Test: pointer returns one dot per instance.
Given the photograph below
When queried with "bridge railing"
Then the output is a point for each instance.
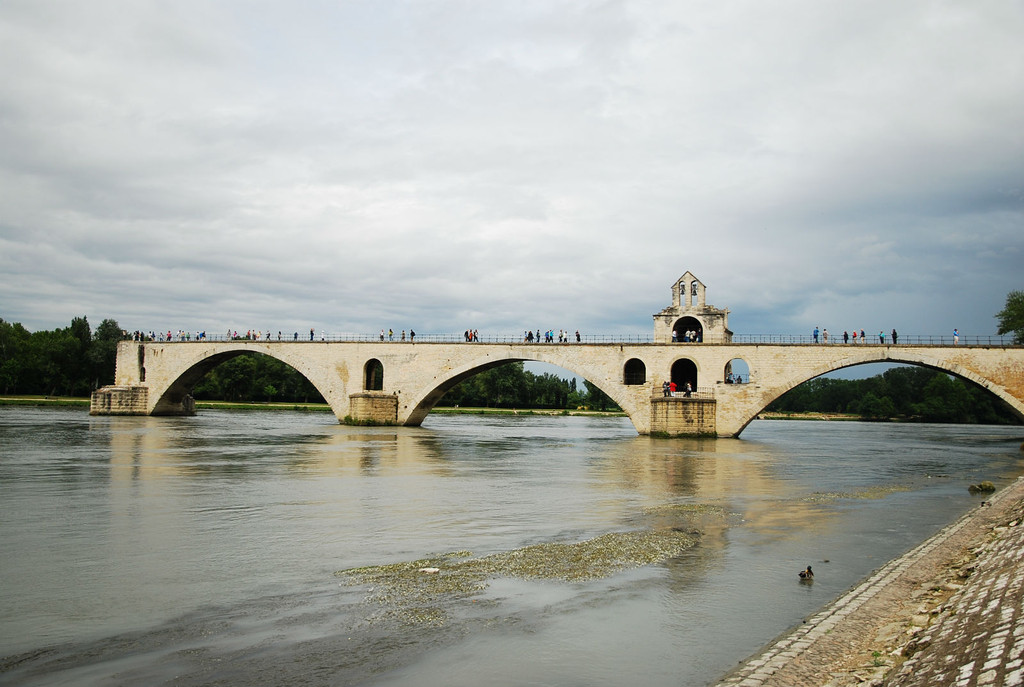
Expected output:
(875, 339)
(699, 392)
(833, 340)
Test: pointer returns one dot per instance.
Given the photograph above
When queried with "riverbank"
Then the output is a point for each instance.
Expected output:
(888, 629)
(43, 401)
(312, 407)
(447, 410)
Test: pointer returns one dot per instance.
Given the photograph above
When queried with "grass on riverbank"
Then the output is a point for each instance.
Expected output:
(43, 401)
(446, 410)
(309, 407)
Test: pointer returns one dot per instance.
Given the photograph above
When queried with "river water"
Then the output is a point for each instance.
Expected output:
(204, 550)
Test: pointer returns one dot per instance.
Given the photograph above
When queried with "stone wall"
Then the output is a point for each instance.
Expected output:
(680, 416)
(120, 400)
(370, 408)
(415, 375)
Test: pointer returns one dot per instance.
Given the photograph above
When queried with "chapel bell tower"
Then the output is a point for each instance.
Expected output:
(690, 319)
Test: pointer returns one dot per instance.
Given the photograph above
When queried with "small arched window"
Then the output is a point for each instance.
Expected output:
(634, 372)
(737, 371)
(373, 375)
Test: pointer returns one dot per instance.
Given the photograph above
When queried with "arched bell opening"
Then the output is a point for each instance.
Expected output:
(687, 330)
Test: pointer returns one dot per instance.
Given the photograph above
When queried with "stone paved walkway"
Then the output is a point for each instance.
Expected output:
(978, 638)
(948, 613)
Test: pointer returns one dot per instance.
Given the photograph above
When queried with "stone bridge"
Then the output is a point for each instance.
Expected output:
(392, 382)
(399, 382)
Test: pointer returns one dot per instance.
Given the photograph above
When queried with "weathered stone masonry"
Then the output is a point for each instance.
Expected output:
(155, 378)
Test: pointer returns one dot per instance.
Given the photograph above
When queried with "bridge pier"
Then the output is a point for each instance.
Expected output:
(674, 416)
(370, 408)
(134, 400)
(120, 400)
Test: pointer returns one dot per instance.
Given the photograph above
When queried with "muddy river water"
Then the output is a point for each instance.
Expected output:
(280, 548)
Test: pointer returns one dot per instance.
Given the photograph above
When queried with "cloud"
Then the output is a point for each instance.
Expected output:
(443, 164)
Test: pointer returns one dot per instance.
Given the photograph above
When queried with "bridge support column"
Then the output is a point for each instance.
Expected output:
(373, 409)
(676, 416)
(120, 400)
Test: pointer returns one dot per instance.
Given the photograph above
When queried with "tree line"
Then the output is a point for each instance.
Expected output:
(512, 386)
(916, 394)
(261, 378)
(68, 361)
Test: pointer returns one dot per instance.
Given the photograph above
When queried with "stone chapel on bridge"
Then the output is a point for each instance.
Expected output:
(690, 312)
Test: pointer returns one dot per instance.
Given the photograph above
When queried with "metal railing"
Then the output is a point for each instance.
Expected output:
(699, 392)
(739, 339)
(877, 340)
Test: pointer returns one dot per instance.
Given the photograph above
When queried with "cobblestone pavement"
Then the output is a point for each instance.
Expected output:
(948, 613)
(978, 637)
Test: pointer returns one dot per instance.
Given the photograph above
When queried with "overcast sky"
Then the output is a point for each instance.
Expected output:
(439, 165)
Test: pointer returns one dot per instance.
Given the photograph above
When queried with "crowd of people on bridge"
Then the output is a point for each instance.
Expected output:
(821, 336)
(818, 336)
(689, 336)
(180, 335)
(670, 388)
(391, 335)
(549, 336)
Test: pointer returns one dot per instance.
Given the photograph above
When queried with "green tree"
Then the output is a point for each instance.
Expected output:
(270, 391)
(872, 407)
(597, 399)
(1011, 317)
(53, 362)
(102, 355)
(915, 393)
(251, 377)
(14, 345)
(79, 374)
(946, 400)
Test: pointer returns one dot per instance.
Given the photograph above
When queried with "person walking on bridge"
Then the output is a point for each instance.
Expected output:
(895, 336)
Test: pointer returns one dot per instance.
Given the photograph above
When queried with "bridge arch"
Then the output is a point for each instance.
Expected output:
(170, 398)
(419, 404)
(917, 356)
